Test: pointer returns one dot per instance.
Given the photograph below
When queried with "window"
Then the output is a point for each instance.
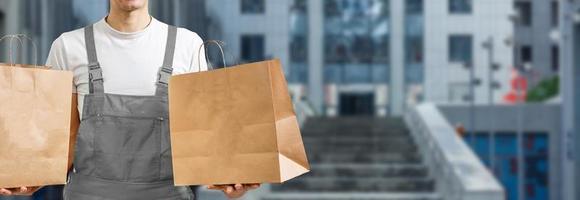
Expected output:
(555, 58)
(355, 36)
(414, 7)
(253, 6)
(460, 48)
(299, 49)
(299, 32)
(414, 50)
(524, 10)
(252, 48)
(555, 14)
(527, 54)
(460, 6)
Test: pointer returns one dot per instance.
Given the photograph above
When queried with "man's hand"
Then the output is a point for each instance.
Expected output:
(234, 191)
(22, 191)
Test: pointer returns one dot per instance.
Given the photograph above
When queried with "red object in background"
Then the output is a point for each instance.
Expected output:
(513, 165)
(530, 141)
(530, 190)
(518, 90)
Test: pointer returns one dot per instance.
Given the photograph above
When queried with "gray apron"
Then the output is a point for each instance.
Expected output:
(123, 149)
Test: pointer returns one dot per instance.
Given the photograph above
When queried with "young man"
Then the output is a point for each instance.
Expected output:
(121, 67)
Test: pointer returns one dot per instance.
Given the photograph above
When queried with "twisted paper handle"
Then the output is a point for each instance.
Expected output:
(11, 47)
(216, 42)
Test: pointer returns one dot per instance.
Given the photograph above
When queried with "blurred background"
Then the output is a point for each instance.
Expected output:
(397, 99)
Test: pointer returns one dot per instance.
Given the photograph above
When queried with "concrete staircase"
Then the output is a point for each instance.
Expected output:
(359, 158)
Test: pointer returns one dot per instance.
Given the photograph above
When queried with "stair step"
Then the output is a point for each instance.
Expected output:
(357, 120)
(343, 147)
(386, 137)
(355, 133)
(364, 157)
(329, 184)
(368, 170)
(351, 196)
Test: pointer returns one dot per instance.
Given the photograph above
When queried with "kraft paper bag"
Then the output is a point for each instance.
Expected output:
(234, 125)
(36, 123)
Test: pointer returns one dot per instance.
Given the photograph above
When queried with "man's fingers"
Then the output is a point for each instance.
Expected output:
(228, 189)
(23, 189)
(216, 187)
(5, 191)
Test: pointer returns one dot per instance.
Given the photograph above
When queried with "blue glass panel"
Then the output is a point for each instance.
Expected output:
(537, 166)
(506, 169)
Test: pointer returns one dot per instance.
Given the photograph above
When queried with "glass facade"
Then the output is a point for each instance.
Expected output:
(505, 156)
(357, 43)
(414, 30)
(298, 42)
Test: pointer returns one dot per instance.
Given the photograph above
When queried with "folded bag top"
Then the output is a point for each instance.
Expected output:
(234, 125)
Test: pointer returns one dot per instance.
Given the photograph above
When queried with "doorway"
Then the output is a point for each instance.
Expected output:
(355, 104)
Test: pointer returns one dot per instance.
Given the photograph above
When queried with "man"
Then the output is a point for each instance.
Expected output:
(121, 67)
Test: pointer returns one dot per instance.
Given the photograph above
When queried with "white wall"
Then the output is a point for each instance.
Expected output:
(488, 18)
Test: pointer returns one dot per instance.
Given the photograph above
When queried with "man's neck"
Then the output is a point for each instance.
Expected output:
(129, 22)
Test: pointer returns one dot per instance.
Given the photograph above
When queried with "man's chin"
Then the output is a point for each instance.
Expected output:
(131, 8)
(131, 5)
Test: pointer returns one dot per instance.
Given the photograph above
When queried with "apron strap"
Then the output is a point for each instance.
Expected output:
(166, 70)
(95, 72)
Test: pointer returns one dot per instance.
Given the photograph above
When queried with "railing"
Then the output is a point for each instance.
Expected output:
(458, 173)
(303, 111)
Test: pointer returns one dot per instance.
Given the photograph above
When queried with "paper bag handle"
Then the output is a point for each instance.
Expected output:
(216, 42)
(17, 37)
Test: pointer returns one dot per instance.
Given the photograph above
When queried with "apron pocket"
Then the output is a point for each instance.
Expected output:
(108, 166)
(143, 168)
(128, 149)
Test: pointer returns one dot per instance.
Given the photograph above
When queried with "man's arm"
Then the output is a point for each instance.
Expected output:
(74, 127)
(198, 63)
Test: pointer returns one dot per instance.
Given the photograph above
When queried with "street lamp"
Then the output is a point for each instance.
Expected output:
(493, 85)
(473, 81)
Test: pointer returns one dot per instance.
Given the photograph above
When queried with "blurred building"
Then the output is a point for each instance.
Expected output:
(337, 53)
(375, 57)
(466, 35)
(382, 57)
(252, 30)
(190, 14)
(536, 34)
(44, 21)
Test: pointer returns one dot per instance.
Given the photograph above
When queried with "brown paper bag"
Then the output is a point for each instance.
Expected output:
(234, 125)
(35, 125)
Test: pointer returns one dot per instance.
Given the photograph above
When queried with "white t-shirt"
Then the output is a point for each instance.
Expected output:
(130, 61)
